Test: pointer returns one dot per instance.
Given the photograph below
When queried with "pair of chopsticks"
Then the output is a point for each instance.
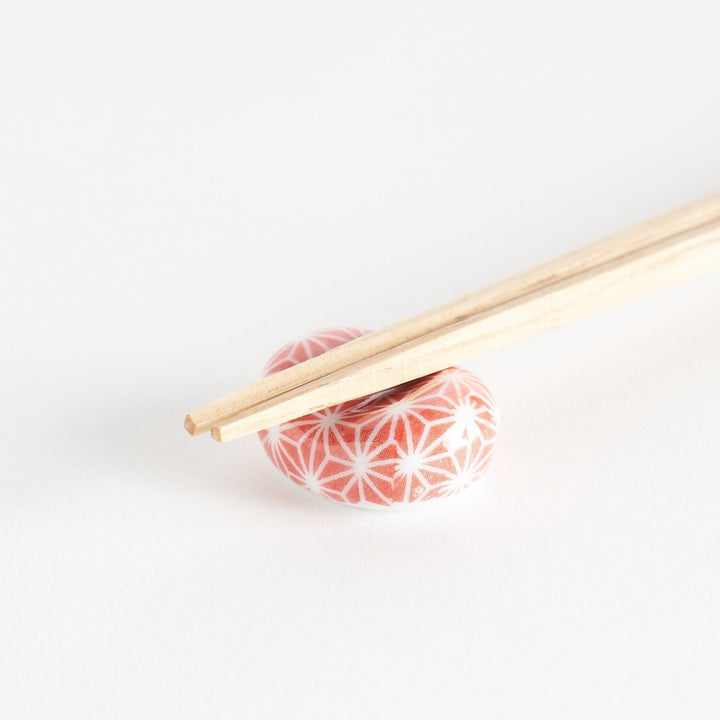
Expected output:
(669, 249)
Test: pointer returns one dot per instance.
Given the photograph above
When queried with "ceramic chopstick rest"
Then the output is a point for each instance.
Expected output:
(426, 439)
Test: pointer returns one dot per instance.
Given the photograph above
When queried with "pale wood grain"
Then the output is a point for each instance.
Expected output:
(374, 344)
(600, 286)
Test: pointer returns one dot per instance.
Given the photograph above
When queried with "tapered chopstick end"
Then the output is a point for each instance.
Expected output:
(191, 426)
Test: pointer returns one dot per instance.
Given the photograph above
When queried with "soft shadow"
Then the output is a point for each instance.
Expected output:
(158, 449)
(139, 438)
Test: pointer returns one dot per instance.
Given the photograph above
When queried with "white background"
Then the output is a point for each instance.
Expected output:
(186, 186)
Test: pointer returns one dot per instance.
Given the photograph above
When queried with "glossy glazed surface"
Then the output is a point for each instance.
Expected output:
(422, 440)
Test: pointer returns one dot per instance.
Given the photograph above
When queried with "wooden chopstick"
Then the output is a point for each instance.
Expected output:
(233, 406)
(598, 286)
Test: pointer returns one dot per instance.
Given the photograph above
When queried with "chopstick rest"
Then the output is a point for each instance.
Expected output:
(419, 441)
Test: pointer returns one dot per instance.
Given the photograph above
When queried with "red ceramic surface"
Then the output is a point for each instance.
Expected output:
(422, 440)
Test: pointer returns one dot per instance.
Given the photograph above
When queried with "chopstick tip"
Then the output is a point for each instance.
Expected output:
(190, 425)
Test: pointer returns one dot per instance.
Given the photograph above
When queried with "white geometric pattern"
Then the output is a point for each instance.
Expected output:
(425, 439)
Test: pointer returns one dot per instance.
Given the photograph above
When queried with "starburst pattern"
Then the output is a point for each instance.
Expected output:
(426, 439)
